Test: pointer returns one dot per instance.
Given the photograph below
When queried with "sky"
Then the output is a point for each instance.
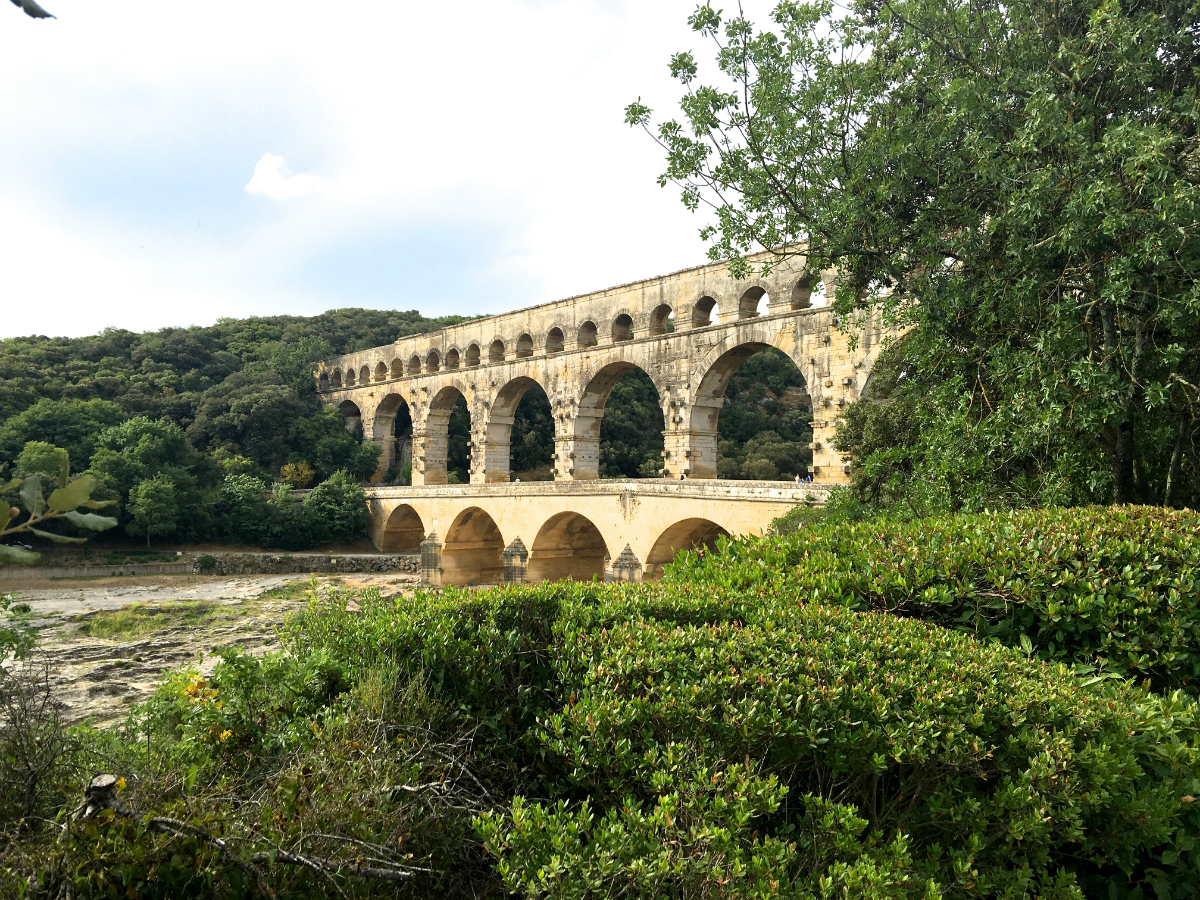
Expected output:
(170, 162)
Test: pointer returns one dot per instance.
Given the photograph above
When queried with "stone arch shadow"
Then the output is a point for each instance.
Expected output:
(383, 430)
(402, 531)
(711, 376)
(567, 546)
(686, 534)
(436, 428)
(473, 550)
(497, 457)
(596, 385)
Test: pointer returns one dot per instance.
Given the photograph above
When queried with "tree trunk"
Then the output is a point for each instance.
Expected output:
(1173, 471)
(1124, 484)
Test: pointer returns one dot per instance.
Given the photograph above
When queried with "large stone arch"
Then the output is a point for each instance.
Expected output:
(686, 534)
(352, 416)
(403, 531)
(577, 439)
(383, 431)
(568, 545)
(433, 436)
(473, 551)
(496, 435)
(710, 379)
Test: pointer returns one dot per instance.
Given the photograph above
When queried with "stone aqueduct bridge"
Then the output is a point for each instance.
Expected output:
(689, 331)
(543, 531)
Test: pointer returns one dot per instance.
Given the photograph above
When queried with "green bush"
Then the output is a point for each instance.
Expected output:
(336, 508)
(722, 737)
(689, 741)
(650, 741)
(812, 750)
(1111, 588)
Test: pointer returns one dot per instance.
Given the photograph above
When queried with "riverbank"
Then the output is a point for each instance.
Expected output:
(106, 643)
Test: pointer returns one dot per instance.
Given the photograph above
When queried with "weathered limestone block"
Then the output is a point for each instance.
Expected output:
(515, 559)
(627, 567)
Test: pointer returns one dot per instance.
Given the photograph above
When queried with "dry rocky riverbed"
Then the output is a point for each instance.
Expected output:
(108, 642)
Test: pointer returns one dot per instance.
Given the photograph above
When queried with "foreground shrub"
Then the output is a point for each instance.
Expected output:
(1113, 588)
(815, 750)
(709, 743)
(647, 741)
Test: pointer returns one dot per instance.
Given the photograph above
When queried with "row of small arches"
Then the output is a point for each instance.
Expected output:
(567, 546)
(753, 302)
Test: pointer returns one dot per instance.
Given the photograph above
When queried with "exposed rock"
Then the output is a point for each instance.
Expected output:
(98, 678)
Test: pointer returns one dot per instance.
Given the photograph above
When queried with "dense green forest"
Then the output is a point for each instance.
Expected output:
(202, 421)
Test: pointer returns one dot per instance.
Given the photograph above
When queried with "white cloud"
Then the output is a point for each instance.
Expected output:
(459, 157)
(273, 179)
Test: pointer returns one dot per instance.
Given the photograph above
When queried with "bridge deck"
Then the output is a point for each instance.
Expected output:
(700, 489)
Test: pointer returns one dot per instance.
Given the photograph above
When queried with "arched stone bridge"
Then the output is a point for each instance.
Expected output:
(544, 531)
(689, 331)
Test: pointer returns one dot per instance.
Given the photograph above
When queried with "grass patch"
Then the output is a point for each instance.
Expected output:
(139, 618)
(293, 590)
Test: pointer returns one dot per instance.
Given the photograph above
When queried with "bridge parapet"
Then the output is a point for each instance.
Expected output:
(706, 489)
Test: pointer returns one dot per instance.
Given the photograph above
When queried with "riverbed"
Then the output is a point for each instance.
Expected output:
(108, 642)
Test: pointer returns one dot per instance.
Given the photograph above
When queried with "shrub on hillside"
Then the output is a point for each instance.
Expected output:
(1115, 588)
(335, 510)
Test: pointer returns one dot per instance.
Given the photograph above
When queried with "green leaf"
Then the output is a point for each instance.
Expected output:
(12, 484)
(99, 504)
(1026, 644)
(77, 493)
(65, 471)
(17, 556)
(5, 513)
(31, 495)
(91, 520)
(58, 538)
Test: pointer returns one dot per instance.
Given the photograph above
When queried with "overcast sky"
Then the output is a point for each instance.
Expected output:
(170, 162)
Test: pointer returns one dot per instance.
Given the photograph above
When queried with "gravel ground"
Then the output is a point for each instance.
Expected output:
(99, 678)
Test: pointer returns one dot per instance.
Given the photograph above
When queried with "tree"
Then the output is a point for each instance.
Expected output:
(336, 508)
(243, 512)
(41, 457)
(532, 436)
(140, 449)
(70, 424)
(298, 475)
(1016, 183)
(155, 507)
(631, 432)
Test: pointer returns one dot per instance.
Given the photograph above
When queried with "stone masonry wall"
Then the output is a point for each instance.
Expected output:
(285, 564)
